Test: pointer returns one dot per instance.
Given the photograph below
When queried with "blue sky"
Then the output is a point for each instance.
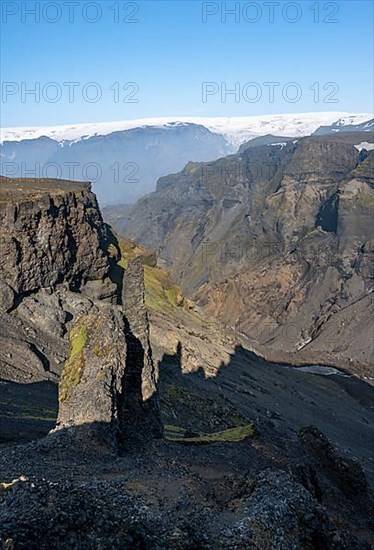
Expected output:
(170, 52)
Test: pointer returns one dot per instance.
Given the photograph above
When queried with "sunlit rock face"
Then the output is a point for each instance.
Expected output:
(276, 241)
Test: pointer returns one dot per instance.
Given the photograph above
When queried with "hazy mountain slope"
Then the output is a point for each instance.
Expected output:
(124, 159)
(122, 165)
(277, 242)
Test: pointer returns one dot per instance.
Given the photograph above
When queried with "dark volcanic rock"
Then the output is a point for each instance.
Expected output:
(268, 490)
(331, 470)
(271, 512)
(53, 240)
(55, 257)
(6, 297)
(51, 232)
(141, 373)
(91, 385)
(282, 514)
(107, 390)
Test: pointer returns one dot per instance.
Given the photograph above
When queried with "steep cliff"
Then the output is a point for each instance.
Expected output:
(62, 314)
(51, 233)
(276, 242)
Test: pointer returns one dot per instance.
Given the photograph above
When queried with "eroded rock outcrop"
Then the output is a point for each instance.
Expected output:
(60, 311)
(51, 232)
(107, 390)
(91, 384)
(141, 372)
(53, 242)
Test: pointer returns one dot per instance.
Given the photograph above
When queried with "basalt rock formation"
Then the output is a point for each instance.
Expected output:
(141, 374)
(51, 233)
(62, 314)
(91, 386)
(52, 249)
(277, 243)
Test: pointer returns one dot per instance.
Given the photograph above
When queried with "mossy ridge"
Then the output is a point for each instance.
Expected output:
(231, 435)
(124, 250)
(161, 293)
(73, 370)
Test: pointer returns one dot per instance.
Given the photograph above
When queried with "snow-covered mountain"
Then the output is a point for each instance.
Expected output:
(125, 159)
(235, 129)
(343, 126)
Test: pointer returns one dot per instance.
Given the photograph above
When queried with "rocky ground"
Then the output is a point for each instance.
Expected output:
(183, 497)
(283, 487)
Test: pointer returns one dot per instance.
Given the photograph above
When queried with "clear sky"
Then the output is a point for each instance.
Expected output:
(318, 55)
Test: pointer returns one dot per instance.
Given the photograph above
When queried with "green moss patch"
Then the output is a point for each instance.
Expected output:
(73, 370)
(232, 435)
(161, 293)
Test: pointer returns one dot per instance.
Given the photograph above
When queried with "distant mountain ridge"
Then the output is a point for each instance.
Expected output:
(236, 129)
(366, 126)
(125, 159)
(268, 139)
